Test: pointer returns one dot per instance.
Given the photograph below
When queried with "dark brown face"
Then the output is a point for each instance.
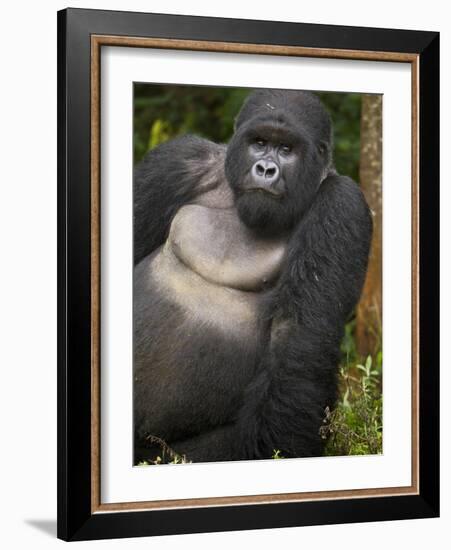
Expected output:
(274, 173)
(272, 160)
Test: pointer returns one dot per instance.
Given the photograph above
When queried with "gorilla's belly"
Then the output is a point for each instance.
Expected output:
(204, 304)
(195, 348)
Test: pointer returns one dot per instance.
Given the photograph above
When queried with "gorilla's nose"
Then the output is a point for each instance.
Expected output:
(265, 173)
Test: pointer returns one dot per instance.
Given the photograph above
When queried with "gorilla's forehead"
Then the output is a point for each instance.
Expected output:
(273, 127)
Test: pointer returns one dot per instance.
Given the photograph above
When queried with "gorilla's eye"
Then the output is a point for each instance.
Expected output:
(260, 142)
(285, 149)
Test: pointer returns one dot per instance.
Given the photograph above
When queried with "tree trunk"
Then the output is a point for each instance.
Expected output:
(369, 310)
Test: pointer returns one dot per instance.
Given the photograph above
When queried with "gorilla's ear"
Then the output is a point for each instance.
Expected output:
(324, 148)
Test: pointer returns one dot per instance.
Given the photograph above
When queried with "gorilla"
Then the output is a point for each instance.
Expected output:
(249, 259)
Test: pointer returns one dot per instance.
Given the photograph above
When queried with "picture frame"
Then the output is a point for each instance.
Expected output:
(81, 36)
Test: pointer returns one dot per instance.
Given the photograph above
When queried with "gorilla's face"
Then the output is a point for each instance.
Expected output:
(274, 162)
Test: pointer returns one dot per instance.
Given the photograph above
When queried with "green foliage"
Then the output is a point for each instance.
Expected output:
(354, 427)
(345, 110)
(160, 131)
(167, 456)
(176, 459)
(162, 112)
(277, 454)
(348, 344)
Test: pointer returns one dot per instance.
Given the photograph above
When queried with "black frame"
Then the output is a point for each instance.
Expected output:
(75, 519)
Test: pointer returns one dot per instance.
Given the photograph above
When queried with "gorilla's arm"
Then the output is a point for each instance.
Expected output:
(168, 177)
(318, 289)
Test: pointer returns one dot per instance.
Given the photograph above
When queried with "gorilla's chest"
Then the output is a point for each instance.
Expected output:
(216, 245)
(215, 268)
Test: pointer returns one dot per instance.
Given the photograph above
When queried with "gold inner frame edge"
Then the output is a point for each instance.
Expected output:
(97, 41)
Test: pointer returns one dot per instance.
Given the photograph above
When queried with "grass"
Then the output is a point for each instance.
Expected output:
(168, 455)
(354, 427)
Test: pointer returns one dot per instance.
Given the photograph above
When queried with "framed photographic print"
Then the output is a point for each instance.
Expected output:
(248, 274)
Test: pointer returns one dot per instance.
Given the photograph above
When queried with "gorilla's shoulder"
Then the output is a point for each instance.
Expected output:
(177, 171)
(186, 152)
(345, 193)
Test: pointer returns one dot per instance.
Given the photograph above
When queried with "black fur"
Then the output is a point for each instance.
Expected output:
(274, 397)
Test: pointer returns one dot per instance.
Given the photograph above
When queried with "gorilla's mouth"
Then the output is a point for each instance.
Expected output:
(271, 193)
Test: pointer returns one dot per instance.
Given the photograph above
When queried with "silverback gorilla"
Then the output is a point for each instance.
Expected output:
(249, 258)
